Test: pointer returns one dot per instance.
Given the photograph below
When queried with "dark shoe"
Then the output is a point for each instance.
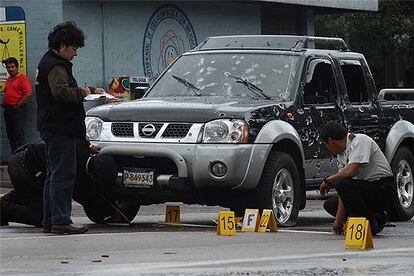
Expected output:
(380, 220)
(47, 228)
(68, 229)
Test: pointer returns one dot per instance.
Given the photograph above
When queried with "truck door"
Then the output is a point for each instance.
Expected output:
(320, 105)
(361, 109)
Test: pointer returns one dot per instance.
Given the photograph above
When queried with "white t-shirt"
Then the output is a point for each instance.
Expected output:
(363, 150)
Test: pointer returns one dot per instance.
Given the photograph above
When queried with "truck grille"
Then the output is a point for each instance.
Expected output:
(176, 131)
(123, 129)
(151, 130)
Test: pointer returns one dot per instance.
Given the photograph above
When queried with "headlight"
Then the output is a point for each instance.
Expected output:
(225, 131)
(93, 127)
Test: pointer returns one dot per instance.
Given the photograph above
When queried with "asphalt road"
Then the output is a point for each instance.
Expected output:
(148, 247)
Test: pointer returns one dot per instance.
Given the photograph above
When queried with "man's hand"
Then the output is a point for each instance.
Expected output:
(324, 188)
(86, 91)
(94, 149)
(99, 90)
(338, 227)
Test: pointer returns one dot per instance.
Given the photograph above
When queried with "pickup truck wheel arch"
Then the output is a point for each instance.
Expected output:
(279, 188)
(403, 167)
(400, 132)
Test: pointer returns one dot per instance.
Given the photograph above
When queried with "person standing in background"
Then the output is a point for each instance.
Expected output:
(18, 91)
(61, 123)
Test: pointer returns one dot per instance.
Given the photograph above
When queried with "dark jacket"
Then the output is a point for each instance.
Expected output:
(55, 114)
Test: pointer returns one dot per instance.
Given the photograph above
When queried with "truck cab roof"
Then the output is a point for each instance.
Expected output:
(289, 43)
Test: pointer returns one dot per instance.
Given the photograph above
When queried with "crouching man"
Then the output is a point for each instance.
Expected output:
(27, 170)
(364, 182)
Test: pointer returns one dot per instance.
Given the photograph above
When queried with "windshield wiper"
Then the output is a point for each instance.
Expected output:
(194, 88)
(252, 87)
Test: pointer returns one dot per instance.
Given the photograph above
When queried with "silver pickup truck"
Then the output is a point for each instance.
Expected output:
(236, 121)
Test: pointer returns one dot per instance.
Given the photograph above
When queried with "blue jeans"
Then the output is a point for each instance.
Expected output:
(60, 178)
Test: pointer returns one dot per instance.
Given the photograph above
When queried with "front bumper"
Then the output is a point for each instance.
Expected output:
(179, 165)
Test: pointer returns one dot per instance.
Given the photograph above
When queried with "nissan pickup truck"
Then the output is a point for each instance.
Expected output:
(235, 122)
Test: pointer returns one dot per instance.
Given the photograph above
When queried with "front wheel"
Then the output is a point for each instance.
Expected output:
(279, 188)
(403, 168)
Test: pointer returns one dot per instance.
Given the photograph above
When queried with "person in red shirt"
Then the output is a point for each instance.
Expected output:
(18, 91)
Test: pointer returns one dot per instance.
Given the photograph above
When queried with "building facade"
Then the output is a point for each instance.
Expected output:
(141, 38)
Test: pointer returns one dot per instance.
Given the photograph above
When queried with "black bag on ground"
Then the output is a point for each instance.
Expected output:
(27, 170)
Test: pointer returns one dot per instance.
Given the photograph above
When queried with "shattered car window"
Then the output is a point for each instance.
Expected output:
(231, 75)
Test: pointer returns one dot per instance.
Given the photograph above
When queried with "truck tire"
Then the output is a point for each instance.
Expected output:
(403, 168)
(98, 213)
(279, 188)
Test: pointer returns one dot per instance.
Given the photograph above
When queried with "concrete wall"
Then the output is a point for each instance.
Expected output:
(121, 27)
(115, 33)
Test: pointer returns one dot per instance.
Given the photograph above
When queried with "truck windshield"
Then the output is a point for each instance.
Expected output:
(255, 75)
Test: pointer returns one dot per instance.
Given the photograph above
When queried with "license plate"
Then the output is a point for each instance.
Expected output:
(138, 178)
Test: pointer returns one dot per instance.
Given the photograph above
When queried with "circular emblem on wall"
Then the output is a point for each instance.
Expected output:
(168, 34)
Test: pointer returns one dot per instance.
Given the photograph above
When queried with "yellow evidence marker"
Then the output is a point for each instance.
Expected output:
(226, 223)
(358, 234)
(172, 214)
(267, 221)
(250, 220)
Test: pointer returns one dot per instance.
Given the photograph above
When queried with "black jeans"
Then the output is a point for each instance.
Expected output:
(60, 178)
(331, 205)
(14, 209)
(14, 119)
(362, 198)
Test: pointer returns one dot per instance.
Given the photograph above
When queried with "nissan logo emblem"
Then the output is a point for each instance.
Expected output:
(148, 130)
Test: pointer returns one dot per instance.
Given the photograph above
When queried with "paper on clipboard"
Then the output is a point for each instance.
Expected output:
(93, 97)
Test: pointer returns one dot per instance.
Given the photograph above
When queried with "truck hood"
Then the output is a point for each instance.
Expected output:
(188, 109)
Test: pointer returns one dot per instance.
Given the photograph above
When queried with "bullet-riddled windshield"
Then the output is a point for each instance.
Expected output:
(257, 75)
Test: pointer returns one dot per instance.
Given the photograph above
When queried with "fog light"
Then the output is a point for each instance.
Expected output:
(218, 169)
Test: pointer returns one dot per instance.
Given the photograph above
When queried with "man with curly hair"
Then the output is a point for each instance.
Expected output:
(60, 121)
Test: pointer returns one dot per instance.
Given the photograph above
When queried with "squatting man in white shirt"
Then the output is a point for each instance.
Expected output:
(364, 182)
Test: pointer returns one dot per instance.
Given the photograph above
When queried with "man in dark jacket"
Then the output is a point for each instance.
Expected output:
(60, 121)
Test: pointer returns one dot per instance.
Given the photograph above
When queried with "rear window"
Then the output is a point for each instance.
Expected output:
(356, 86)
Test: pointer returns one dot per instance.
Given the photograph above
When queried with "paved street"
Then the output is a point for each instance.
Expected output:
(148, 247)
